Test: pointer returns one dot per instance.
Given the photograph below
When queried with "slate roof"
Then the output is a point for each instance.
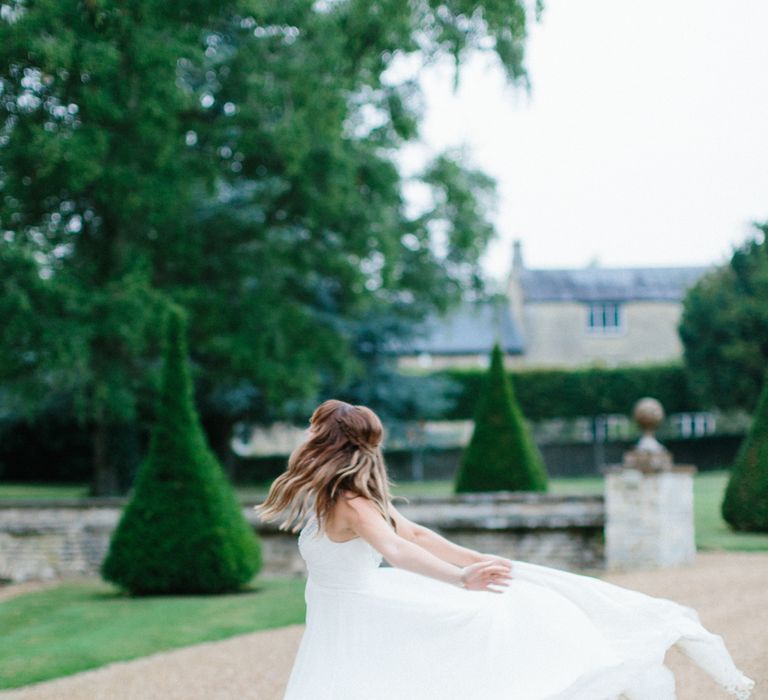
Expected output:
(471, 328)
(609, 284)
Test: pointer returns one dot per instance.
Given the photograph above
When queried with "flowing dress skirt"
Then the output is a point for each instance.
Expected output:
(382, 633)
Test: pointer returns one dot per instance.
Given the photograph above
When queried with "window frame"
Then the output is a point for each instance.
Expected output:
(599, 309)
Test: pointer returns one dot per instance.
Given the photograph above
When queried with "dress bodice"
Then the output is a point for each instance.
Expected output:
(343, 565)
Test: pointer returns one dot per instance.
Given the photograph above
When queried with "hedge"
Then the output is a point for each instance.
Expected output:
(183, 530)
(501, 454)
(568, 393)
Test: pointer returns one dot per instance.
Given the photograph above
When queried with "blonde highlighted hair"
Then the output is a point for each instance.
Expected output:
(342, 453)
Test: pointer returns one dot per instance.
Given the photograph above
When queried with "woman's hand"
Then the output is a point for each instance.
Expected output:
(495, 558)
(484, 574)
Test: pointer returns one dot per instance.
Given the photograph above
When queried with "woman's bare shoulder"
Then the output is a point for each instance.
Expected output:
(346, 495)
(355, 504)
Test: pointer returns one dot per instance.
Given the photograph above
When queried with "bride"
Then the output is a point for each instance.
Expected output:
(447, 622)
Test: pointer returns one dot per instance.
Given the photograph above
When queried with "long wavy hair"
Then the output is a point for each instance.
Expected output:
(342, 453)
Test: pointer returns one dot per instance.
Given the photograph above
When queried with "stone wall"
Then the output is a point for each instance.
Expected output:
(556, 335)
(50, 539)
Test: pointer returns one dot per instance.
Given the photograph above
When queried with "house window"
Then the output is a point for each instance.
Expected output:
(605, 317)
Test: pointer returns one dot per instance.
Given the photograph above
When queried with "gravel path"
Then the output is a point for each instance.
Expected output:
(729, 590)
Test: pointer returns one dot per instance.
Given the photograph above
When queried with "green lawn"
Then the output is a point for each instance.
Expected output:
(712, 532)
(26, 490)
(80, 625)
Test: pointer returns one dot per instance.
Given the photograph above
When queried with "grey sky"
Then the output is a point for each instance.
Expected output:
(644, 140)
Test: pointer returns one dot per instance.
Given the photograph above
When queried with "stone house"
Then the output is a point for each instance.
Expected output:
(559, 318)
(598, 316)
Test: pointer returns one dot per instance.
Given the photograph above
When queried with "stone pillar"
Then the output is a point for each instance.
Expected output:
(649, 503)
(649, 517)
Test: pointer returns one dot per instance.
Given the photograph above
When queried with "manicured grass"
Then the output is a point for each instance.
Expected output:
(580, 485)
(576, 484)
(712, 532)
(26, 490)
(80, 625)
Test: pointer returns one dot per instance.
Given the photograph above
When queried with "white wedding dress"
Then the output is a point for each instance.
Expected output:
(383, 633)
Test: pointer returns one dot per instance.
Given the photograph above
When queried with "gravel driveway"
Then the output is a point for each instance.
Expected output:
(729, 590)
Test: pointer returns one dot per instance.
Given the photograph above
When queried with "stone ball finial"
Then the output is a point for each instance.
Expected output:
(648, 413)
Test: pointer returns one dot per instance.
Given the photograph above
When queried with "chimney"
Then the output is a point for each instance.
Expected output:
(517, 255)
(515, 288)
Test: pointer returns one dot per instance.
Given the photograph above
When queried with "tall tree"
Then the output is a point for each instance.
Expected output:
(94, 172)
(238, 157)
(724, 327)
(310, 202)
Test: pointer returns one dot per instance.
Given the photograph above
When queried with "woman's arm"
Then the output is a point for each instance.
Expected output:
(439, 545)
(436, 544)
(364, 519)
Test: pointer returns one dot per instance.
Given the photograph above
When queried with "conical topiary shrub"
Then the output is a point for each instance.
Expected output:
(501, 455)
(183, 530)
(745, 504)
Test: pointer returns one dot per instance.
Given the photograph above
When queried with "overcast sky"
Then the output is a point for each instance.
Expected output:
(644, 141)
